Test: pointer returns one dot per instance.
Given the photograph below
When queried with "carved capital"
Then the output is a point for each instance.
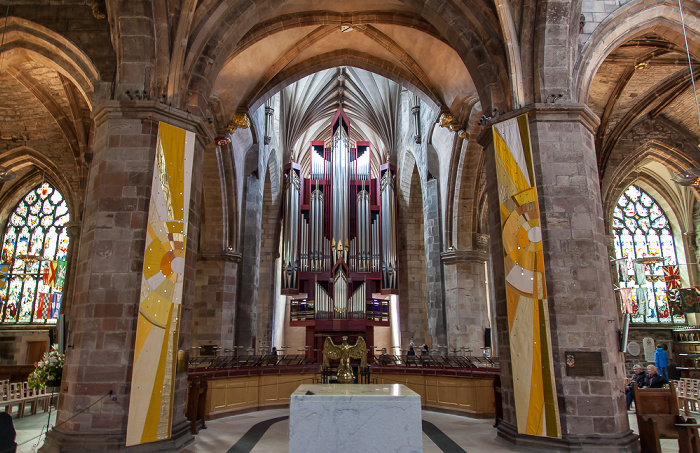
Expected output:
(464, 256)
(223, 255)
(238, 121)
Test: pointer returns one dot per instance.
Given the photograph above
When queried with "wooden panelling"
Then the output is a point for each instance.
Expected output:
(471, 396)
(237, 394)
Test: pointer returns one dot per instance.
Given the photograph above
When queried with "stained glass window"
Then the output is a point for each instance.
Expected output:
(642, 230)
(34, 257)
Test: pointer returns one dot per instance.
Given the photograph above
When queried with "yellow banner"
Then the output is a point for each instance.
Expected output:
(153, 376)
(534, 390)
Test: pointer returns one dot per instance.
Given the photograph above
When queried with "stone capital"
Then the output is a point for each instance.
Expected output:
(223, 255)
(152, 111)
(464, 256)
(540, 112)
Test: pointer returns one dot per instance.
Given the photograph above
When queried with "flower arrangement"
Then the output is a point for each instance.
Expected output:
(49, 368)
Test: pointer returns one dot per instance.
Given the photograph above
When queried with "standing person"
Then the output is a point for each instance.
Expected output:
(425, 351)
(411, 351)
(639, 376)
(661, 361)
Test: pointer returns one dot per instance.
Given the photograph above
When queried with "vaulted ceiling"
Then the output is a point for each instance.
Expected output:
(645, 78)
(370, 101)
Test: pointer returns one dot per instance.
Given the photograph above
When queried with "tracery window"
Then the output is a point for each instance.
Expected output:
(642, 230)
(34, 257)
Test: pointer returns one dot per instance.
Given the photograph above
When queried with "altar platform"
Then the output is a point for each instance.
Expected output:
(355, 417)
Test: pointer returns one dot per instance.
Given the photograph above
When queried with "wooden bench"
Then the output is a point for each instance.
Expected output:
(658, 418)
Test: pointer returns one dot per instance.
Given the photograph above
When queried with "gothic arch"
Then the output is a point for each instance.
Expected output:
(51, 50)
(39, 168)
(633, 19)
(470, 35)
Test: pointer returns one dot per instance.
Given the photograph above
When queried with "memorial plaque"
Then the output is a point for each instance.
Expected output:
(633, 348)
(584, 363)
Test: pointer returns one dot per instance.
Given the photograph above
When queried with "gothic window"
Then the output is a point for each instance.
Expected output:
(33, 262)
(642, 230)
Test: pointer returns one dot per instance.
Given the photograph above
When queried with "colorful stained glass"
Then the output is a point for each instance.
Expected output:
(35, 235)
(641, 229)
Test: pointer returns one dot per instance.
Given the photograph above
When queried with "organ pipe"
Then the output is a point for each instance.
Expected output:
(340, 294)
(290, 264)
(388, 212)
(363, 230)
(340, 186)
(340, 249)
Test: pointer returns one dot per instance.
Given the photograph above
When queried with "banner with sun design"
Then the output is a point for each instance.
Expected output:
(528, 316)
(153, 376)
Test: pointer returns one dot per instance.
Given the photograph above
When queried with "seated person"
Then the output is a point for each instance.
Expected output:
(638, 377)
(384, 358)
(653, 380)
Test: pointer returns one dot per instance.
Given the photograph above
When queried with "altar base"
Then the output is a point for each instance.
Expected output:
(355, 417)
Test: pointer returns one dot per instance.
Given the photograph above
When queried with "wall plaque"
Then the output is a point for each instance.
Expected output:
(633, 348)
(584, 363)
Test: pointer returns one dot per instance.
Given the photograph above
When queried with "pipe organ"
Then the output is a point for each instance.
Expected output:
(340, 238)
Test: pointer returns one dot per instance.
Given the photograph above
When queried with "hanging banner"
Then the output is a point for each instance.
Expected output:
(689, 300)
(56, 299)
(528, 314)
(153, 376)
(672, 277)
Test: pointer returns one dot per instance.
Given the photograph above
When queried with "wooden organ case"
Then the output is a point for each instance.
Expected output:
(339, 251)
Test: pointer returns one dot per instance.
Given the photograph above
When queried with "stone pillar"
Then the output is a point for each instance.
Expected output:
(434, 285)
(582, 307)
(215, 299)
(466, 310)
(94, 402)
(246, 320)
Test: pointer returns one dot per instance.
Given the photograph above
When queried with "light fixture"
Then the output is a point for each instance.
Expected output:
(690, 177)
(641, 65)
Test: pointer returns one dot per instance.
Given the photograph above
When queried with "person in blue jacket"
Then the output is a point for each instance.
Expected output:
(661, 361)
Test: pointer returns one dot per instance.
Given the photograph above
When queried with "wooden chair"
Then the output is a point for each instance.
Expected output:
(658, 418)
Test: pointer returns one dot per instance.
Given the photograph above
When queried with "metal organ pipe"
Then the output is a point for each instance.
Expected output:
(388, 210)
(290, 264)
(363, 229)
(340, 182)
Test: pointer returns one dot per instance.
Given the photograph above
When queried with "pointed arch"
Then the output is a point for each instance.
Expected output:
(52, 50)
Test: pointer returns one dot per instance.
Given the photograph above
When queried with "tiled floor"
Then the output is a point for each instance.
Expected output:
(472, 435)
(31, 430)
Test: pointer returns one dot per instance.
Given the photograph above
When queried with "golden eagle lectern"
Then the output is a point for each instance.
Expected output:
(345, 352)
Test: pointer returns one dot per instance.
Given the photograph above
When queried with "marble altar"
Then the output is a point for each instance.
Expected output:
(337, 418)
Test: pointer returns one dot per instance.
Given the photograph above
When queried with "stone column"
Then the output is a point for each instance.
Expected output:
(246, 320)
(582, 307)
(94, 402)
(434, 284)
(466, 310)
(215, 299)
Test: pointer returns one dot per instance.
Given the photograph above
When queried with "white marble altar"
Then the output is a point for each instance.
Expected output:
(338, 418)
